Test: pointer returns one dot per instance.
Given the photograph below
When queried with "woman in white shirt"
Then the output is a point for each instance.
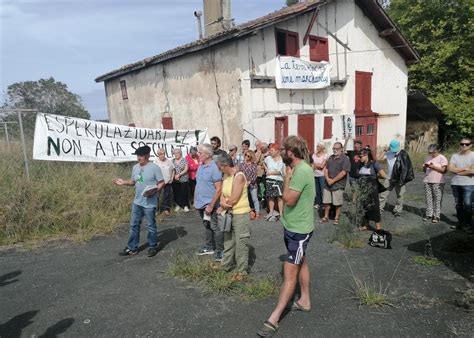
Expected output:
(319, 163)
(275, 169)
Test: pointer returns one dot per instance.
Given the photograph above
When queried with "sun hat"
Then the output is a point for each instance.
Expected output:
(394, 146)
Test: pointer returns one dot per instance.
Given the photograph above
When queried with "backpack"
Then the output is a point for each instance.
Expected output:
(380, 239)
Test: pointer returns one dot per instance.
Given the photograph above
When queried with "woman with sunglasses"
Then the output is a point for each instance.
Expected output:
(435, 167)
(368, 194)
(462, 184)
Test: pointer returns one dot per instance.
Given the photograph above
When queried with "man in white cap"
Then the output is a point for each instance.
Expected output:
(400, 172)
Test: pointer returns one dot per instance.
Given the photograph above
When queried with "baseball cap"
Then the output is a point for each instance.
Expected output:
(394, 146)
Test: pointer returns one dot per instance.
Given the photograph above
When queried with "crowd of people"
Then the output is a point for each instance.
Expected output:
(229, 189)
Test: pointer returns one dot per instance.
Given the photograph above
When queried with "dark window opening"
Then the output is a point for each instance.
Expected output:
(123, 88)
(287, 43)
(370, 129)
(359, 130)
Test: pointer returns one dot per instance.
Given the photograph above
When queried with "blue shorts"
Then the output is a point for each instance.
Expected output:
(296, 245)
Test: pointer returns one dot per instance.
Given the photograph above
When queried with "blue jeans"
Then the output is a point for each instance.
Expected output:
(463, 199)
(318, 200)
(138, 212)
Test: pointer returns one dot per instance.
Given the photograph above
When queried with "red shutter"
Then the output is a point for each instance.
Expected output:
(281, 129)
(363, 92)
(327, 134)
(167, 122)
(306, 129)
(292, 46)
(318, 49)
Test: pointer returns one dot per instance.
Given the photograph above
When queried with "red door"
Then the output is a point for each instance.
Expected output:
(281, 129)
(306, 129)
(366, 119)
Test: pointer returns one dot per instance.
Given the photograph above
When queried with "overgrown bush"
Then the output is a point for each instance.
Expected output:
(61, 199)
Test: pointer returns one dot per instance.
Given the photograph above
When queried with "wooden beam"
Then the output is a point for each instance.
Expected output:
(310, 26)
(387, 32)
(334, 37)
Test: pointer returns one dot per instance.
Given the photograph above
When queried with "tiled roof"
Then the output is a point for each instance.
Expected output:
(224, 36)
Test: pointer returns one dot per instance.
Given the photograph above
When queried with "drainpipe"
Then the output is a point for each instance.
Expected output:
(198, 15)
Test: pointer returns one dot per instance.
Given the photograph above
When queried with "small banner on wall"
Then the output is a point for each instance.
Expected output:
(64, 138)
(348, 129)
(294, 73)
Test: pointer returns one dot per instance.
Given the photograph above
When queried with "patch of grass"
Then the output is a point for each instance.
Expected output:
(426, 261)
(61, 200)
(347, 237)
(372, 295)
(209, 276)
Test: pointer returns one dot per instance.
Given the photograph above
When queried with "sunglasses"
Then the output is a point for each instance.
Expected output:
(465, 144)
(336, 148)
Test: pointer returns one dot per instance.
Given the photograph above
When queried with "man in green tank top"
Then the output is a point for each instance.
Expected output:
(298, 222)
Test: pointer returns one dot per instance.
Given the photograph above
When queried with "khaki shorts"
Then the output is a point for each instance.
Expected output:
(333, 197)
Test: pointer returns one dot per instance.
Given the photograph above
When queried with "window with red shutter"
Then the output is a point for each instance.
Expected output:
(318, 49)
(363, 92)
(287, 43)
(327, 134)
(167, 122)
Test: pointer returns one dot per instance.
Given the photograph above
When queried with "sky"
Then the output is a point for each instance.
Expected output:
(76, 41)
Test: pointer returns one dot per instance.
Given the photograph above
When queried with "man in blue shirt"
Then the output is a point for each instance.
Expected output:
(206, 197)
(148, 180)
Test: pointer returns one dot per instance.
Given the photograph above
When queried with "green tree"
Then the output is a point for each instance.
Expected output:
(291, 2)
(442, 33)
(45, 95)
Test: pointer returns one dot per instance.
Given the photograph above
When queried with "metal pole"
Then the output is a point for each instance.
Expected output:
(6, 134)
(27, 171)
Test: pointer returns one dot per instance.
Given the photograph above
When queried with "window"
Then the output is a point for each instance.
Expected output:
(370, 129)
(359, 130)
(327, 132)
(287, 43)
(123, 88)
(167, 122)
(318, 49)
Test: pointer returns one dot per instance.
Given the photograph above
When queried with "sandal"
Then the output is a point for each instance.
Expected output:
(435, 220)
(324, 220)
(336, 221)
(298, 307)
(267, 330)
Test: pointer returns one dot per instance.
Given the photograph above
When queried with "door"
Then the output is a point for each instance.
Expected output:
(365, 118)
(281, 129)
(306, 129)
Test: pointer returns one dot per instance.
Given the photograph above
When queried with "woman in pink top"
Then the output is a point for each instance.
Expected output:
(319, 163)
(435, 167)
(193, 163)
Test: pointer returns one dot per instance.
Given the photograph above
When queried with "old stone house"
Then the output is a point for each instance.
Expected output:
(225, 81)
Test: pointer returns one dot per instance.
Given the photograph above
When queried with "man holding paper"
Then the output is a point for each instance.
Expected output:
(148, 180)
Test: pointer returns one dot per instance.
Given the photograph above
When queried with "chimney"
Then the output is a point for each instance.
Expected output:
(216, 16)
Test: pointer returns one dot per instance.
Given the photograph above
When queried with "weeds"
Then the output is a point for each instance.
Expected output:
(370, 294)
(61, 200)
(345, 235)
(426, 261)
(208, 275)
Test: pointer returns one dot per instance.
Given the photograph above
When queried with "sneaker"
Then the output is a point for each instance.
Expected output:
(270, 214)
(152, 252)
(128, 252)
(186, 209)
(427, 218)
(316, 206)
(218, 256)
(205, 251)
(274, 218)
(177, 208)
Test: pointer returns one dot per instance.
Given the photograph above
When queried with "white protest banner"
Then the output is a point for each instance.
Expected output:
(294, 73)
(64, 138)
